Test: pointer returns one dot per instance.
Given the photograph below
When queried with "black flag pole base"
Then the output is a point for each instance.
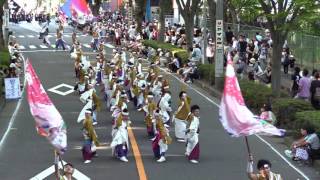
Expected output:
(247, 144)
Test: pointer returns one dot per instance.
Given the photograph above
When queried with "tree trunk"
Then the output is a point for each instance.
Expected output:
(189, 23)
(162, 25)
(278, 41)
(2, 43)
(140, 11)
(95, 9)
(197, 19)
(212, 18)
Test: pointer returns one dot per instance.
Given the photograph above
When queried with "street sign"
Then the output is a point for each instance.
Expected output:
(50, 170)
(12, 88)
(219, 48)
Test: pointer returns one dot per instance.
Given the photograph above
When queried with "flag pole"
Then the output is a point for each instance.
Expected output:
(56, 167)
(247, 144)
(61, 164)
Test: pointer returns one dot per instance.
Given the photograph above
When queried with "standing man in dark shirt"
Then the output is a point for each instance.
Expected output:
(242, 48)
(229, 35)
(315, 91)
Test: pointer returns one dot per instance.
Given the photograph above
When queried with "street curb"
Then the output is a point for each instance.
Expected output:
(208, 88)
(2, 103)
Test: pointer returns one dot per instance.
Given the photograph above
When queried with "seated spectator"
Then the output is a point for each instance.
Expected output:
(307, 147)
(267, 73)
(267, 114)
(195, 54)
(175, 64)
(162, 59)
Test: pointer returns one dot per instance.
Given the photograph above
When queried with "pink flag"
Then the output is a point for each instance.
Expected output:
(62, 17)
(81, 6)
(234, 115)
(49, 122)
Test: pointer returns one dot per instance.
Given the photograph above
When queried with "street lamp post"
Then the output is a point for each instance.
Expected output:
(219, 54)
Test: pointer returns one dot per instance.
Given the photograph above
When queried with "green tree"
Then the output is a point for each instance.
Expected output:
(188, 11)
(212, 16)
(95, 7)
(165, 7)
(140, 11)
(282, 17)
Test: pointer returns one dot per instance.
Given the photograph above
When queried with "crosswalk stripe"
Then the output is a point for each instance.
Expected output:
(31, 36)
(83, 35)
(53, 46)
(21, 47)
(87, 45)
(49, 36)
(67, 46)
(32, 47)
(43, 46)
(66, 35)
(21, 36)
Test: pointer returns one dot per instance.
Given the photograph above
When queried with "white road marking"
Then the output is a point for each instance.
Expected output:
(50, 36)
(31, 36)
(259, 137)
(13, 117)
(66, 35)
(43, 50)
(87, 45)
(21, 36)
(50, 170)
(32, 47)
(21, 47)
(53, 45)
(54, 89)
(109, 45)
(43, 46)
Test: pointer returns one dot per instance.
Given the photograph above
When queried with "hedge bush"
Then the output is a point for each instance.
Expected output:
(255, 94)
(181, 53)
(207, 72)
(4, 58)
(4, 63)
(286, 108)
(307, 118)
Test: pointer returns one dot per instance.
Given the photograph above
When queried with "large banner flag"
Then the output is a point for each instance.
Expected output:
(66, 8)
(81, 6)
(234, 115)
(49, 122)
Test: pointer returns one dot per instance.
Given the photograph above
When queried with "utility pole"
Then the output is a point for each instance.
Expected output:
(5, 25)
(204, 33)
(219, 54)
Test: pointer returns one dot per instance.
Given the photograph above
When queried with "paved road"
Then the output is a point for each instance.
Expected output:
(24, 153)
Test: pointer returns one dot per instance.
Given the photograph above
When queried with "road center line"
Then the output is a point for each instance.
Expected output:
(137, 155)
(259, 137)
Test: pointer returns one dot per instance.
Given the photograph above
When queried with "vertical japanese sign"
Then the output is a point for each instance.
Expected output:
(219, 49)
(12, 88)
